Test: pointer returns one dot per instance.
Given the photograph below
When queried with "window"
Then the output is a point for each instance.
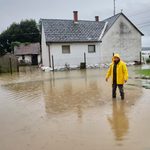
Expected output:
(23, 57)
(91, 48)
(66, 49)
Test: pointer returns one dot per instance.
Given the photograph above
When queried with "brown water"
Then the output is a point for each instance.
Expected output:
(72, 110)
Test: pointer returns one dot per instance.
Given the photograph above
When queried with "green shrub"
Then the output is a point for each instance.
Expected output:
(26, 43)
(2, 70)
(148, 60)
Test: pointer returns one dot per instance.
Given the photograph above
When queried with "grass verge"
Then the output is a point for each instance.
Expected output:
(144, 72)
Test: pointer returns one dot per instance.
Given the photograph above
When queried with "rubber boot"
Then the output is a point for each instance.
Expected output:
(122, 97)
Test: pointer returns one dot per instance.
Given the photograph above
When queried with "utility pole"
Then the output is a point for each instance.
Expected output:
(114, 7)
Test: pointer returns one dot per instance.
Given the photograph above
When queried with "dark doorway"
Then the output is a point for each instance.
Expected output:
(34, 60)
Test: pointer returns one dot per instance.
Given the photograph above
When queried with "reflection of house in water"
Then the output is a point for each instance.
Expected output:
(69, 93)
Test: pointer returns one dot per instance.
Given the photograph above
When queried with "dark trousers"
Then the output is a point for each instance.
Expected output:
(114, 87)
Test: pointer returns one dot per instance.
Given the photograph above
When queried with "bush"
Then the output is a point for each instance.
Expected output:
(148, 60)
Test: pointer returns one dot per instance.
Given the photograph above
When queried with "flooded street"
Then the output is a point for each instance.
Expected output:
(72, 110)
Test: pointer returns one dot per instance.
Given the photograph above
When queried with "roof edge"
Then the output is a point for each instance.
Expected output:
(127, 19)
(50, 42)
(133, 24)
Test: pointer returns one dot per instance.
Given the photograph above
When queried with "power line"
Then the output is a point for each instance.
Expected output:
(143, 23)
(143, 26)
(137, 12)
(138, 18)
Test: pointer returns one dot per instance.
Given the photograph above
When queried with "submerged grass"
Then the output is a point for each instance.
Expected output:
(132, 84)
(146, 87)
(144, 72)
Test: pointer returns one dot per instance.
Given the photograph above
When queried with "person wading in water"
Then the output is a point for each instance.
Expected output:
(119, 75)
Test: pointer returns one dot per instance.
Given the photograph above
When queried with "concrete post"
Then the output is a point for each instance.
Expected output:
(53, 62)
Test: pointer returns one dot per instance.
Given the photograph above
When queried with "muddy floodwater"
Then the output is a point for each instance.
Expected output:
(72, 110)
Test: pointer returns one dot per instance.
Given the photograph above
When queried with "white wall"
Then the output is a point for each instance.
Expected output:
(39, 58)
(26, 58)
(76, 55)
(146, 52)
(122, 38)
(45, 53)
(145, 55)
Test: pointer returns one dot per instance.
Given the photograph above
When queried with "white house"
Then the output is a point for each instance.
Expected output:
(145, 52)
(68, 41)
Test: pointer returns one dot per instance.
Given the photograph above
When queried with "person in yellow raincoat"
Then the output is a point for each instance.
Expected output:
(119, 75)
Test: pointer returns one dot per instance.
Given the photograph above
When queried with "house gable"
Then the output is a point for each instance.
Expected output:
(122, 38)
(112, 20)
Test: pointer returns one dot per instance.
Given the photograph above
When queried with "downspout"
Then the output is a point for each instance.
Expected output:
(103, 31)
(49, 55)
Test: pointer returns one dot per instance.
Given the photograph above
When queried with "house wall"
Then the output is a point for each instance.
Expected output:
(76, 55)
(5, 63)
(145, 54)
(121, 38)
(39, 58)
(45, 52)
(27, 58)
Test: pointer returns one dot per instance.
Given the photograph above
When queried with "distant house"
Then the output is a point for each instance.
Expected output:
(9, 63)
(29, 53)
(146, 52)
(68, 41)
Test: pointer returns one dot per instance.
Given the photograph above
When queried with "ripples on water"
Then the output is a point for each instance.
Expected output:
(69, 109)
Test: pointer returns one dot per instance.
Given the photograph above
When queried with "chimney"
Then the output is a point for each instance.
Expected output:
(96, 18)
(75, 16)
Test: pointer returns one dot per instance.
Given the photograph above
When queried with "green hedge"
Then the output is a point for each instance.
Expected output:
(148, 60)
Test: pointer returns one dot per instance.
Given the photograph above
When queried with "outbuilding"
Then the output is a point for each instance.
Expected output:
(28, 53)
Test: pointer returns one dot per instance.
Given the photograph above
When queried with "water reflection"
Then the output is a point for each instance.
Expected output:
(69, 107)
(76, 94)
(119, 121)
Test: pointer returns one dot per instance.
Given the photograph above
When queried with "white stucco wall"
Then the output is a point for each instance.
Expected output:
(145, 54)
(45, 53)
(26, 58)
(121, 38)
(76, 55)
(39, 58)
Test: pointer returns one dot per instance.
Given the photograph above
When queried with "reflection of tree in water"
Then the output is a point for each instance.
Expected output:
(119, 121)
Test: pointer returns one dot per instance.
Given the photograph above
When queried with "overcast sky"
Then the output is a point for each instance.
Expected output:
(138, 11)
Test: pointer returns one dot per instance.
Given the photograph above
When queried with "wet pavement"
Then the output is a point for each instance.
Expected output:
(72, 110)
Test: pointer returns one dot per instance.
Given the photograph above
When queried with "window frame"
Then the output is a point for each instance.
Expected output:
(94, 49)
(66, 46)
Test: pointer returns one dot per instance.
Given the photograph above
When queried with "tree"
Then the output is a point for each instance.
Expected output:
(13, 44)
(39, 25)
(25, 31)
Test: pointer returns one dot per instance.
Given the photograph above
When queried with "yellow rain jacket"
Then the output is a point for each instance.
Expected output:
(121, 72)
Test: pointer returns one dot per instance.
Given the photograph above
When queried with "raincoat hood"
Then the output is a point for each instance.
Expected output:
(116, 55)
